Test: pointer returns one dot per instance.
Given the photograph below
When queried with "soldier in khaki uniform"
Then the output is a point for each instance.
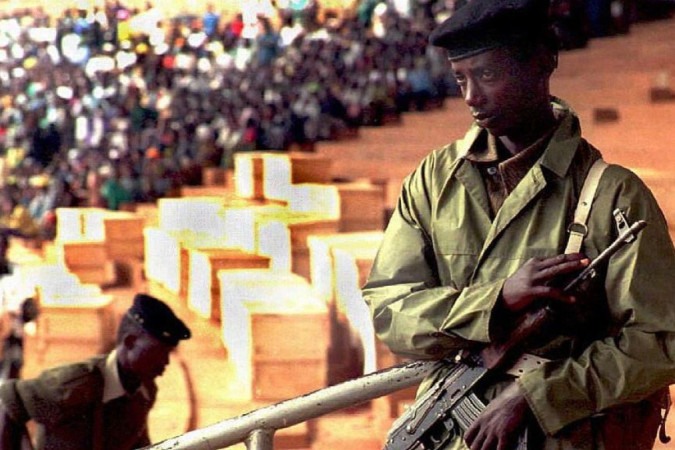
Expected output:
(101, 403)
(478, 238)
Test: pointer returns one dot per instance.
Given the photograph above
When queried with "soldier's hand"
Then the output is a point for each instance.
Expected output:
(502, 423)
(533, 280)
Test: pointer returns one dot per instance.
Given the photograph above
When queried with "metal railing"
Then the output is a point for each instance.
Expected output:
(256, 428)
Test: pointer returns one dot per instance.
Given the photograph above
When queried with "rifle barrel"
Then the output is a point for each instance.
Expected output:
(623, 239)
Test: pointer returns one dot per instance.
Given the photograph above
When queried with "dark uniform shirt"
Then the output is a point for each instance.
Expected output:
(80, 406)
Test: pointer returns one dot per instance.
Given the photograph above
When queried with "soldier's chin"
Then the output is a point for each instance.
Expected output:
(489, 124)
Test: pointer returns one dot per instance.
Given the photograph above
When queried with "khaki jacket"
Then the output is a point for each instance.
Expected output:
(440, 270)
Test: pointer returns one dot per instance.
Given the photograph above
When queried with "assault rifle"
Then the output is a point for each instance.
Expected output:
(432, 420)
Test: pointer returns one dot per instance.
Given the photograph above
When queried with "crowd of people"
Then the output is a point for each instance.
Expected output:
(116, 105)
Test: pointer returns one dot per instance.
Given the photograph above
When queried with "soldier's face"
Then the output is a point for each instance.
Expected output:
(148, 357)
(502, 92)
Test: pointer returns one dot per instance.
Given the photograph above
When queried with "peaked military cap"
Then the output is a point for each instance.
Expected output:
(483, 25)
(157, 318)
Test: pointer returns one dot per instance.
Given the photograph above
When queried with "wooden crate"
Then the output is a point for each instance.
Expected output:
(248, 175)
(240, 222)
(279, 380)
(362, 206)
(347, 357)
(80, 314)
(275, 331)
(103, 275)
(194, 214)
(203, 288)
(205, 191)
(88, 260)
(310, 168)
(162, 258)
(351, 267)
(269, 174)
(283, 237)
(213, 176)
(130, 249)
(281, 170)
(149, 212)
(322, 268)
(73, 224)
(123, 225)
(166, 256)
(124, 236)
(81, 254)
(313, 198)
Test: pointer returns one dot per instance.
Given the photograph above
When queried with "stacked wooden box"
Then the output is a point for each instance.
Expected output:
(276, 332)
(214, 176)
(315, 198)
(71, 312)
(352, 266)
(86, 259)
(205, 191)
(322, 248)
(83, 315)
(362, 206)
(80, 244)
(167, 257)
(203, 292)
(283, 237)
(194, 214)
(149, 212)
(182, 223)
(240, 219)
(248, 175)
(80, 224)
(347, 351)
(193, 223)
(124, 235)
(340, 267)
(269, 175)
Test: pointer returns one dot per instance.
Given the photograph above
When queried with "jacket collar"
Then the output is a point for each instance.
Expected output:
(112, 385)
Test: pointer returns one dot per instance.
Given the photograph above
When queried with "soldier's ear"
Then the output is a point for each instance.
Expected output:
(129, 340)
(546, 60)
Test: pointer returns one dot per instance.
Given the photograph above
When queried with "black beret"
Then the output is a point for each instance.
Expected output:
(483, 25)
(157, 318)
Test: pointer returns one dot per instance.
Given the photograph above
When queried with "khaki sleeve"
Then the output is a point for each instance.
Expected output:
(12, 404)
(412, 312)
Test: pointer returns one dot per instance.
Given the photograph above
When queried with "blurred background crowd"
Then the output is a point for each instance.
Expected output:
(113, 105)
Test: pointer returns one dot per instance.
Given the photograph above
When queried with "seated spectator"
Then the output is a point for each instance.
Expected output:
(15, 218)
(113, 191)
(273, 129)
(266, 43)
(422, 88)
(210, 20)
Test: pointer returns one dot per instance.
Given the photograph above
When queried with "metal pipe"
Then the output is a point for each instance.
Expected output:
(260, 440)
(300, 409)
